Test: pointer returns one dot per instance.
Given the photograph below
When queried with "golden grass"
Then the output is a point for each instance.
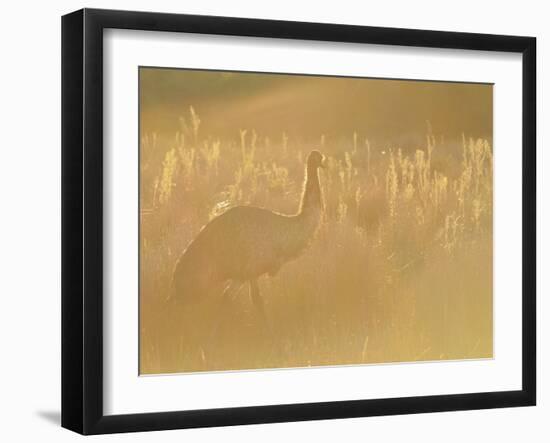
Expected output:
(401, 269)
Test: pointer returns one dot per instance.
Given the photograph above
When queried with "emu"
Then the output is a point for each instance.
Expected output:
(247, 242)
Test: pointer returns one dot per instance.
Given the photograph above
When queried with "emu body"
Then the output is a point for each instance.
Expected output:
(247, 242)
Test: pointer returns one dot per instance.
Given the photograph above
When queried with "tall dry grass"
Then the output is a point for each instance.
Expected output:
(401, 269)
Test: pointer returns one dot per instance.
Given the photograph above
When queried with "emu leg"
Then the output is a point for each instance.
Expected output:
(271, 339)
(258, 303)
(257, 300)
(231, 289)
(220, 313)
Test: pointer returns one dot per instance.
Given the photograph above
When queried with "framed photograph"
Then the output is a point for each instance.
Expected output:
(269, 221)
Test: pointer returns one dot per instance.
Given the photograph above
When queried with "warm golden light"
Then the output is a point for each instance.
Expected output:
(383, 255)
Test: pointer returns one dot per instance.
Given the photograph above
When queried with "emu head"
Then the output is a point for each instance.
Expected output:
(315, 160)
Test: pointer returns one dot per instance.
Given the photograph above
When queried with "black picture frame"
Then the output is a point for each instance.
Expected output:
(82, 220)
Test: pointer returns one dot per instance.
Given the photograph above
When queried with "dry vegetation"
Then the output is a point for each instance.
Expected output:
(401, 269)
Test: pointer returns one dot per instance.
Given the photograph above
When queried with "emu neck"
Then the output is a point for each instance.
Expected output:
(311, 198)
